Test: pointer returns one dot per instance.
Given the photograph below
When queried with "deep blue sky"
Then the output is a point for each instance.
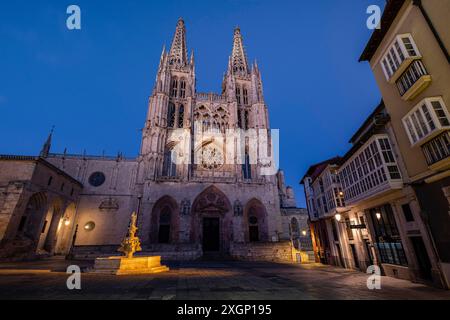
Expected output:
(93, 84)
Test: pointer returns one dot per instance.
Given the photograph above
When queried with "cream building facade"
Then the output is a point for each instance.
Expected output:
(364, 213)
(395, 177)
(409, 57)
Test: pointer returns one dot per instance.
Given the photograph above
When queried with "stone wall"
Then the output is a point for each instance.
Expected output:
(396, 271)
(179, 252)
(264, 251)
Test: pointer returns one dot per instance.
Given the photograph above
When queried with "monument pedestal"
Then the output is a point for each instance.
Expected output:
(124, 266)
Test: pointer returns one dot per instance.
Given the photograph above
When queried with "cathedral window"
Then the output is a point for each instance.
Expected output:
(183, 88)
(239, 119)
(174, 87)
(246, 168)
(212, 157)
(245, 95)
(171, 115)
(164, 225)
(169, 165)
(238, 95)
(253, 230)
(246, 120)
(181, 116)
(97, 179)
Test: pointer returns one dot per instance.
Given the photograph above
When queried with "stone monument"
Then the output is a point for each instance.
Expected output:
(128, 264)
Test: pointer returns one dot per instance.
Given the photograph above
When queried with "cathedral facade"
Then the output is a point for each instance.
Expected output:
(205, 179)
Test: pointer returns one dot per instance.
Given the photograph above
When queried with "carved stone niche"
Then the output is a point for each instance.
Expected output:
(237, 208)
(109, 204)
(185, 207)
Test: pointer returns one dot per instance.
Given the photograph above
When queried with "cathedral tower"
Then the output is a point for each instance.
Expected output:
(242, 87)
(170, 108)
(187, 134)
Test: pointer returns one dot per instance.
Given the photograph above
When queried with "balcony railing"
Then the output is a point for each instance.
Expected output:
(413, 81)
(437, 149)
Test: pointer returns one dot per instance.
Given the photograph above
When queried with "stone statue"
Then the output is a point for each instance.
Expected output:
(237, 208)
(131, 243)
(185, 207)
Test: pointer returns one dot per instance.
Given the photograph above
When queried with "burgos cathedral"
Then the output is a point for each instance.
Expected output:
(205, 183)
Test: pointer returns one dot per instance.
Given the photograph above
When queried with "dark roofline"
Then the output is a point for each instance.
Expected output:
(42, 161)
(366, 122)
(334, 160)
(357, 145)
(351, 152)
(390, 13)
(338, 160)
(90, 157)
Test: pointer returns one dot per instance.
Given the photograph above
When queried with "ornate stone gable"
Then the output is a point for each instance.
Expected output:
(211, 200)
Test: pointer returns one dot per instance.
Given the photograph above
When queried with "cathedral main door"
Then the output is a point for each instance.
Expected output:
(211, 234)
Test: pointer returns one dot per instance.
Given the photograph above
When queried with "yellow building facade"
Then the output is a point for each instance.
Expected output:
(409, 59)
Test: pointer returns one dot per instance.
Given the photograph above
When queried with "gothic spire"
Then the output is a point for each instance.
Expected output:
(47, 145)
(192, 59)
(238, 57)
(162, 59)
(178, 51)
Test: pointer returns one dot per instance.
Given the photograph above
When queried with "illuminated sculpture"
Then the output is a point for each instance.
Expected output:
(131, 243)
(124, 265)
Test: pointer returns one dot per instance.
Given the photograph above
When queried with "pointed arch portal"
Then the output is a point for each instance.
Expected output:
(211, 223)
(164, 221)
(255, 218)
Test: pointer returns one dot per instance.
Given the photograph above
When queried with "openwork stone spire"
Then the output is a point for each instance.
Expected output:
(239, 62)
(178, 51)
(47, 145)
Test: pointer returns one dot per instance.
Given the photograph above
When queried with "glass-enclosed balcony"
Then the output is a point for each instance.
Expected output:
(437, 151)
(371, 171)
(426, 120)
(413, 81)
(398, 57)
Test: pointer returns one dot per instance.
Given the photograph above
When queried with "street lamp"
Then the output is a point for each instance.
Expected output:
(304, 232)
(378, 215)
(338, 217)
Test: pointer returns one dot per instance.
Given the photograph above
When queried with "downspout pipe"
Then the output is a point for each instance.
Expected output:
(418, 3)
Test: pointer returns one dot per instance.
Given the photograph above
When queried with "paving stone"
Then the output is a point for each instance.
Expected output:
(230, 280)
